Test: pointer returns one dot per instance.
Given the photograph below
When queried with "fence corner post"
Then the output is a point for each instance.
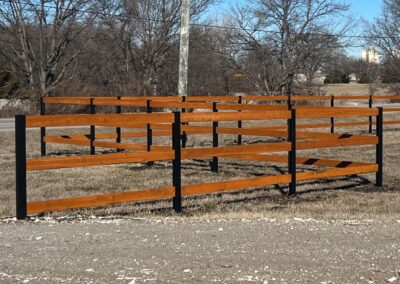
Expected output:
(184, 134)
(292, 154)
(149, 110)
(379, 148)
(176, 163)
(332, 118)
(240, 124)
(118, 129)
(42, 129)
(214, 163)
(370, 105)
(20, 166)
(92, 128)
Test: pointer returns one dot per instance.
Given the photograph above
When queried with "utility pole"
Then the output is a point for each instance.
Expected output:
(184, 49)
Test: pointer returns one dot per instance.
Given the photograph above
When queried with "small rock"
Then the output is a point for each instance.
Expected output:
(391, 280)
(187, 271)
(39, 238)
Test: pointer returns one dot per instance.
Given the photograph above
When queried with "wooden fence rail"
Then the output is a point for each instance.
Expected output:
(225, 103)
(295, 141)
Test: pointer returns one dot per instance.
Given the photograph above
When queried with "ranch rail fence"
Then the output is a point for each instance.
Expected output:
(212, 103)
(178, 124)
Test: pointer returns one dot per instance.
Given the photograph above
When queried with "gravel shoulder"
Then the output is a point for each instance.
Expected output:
(183, 250)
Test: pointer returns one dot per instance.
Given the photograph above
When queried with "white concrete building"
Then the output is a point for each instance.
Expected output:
(370, 55)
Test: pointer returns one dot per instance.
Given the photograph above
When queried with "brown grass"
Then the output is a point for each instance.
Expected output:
(355, 89)
(343, 198)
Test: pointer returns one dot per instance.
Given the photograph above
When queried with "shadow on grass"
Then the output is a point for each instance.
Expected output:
(254, 197)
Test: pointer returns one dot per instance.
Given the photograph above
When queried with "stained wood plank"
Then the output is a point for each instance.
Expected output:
(234, 185)
(100, 200)
(97, 160)
(234, 116)
(299, 160)
(98, 119)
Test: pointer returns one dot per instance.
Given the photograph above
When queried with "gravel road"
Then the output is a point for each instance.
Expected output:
(6, 124)
(187, 251)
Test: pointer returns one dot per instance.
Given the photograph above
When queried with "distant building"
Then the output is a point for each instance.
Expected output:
(370, 55)
(353, 78)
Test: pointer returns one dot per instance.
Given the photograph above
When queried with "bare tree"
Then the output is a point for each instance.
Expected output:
(384, 34)
(284, 34)
(40, 35)
(146, 31)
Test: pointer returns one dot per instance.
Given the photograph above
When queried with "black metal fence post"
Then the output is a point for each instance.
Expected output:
(92, 128)
(42, 129)
(20, 168)
(332, 118)
(379, 148)
(289, 102)
(370, 105)
(176, 163)
(118, 129)
(214, 163)
(239, 141)
(184, 134)
(149, 110)
(292, 153)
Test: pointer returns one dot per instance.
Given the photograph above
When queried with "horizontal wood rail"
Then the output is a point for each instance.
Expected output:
(354, 141)
(97, 160)
(37, 207)
(141, 100)
(103, 136)
(337, 113)
(250, 107)
(84, 140)
(161, 120)
(193, 105)
(234, 116)
(206, 188)
(391, 109)
(258, 131)
(198, 153)
(97, 119)
(299, 160)
(275, 147)
(67, 100)
(390, 122)
(139, 119)
(121, 158)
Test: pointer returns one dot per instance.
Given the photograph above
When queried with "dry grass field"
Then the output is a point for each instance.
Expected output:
(355, 89)
(343, 198)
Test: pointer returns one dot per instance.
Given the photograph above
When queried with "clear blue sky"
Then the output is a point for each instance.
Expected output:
(360, 9)
(364, 9)
(367, 9)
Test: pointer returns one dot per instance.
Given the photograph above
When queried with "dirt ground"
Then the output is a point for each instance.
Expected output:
(186, 251)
